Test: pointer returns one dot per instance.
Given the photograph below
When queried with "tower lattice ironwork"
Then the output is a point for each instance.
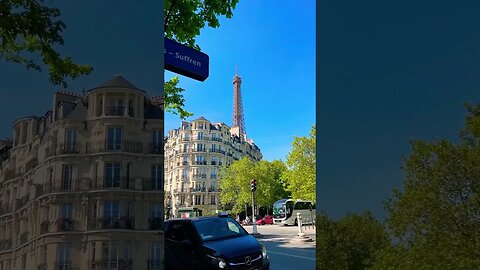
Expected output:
(237, 115)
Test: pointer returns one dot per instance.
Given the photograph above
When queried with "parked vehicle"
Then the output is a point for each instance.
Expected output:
(212, 243)
(265, 220)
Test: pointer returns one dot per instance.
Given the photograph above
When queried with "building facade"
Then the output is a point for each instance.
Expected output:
(82, 186)
(194, 154)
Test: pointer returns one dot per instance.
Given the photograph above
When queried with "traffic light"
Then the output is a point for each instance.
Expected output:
(253, 185)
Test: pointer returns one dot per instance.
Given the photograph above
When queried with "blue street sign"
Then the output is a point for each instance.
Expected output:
(185, 61)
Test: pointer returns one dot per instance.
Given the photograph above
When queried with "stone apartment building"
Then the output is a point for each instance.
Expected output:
(194, 154)
(81, 187)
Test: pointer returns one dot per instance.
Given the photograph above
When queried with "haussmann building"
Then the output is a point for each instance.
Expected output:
(194, 154)
(82, 186)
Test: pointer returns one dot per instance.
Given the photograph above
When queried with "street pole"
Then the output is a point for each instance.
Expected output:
(254, 220)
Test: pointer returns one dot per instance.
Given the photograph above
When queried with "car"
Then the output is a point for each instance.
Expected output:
(265, 220)
(215, 242)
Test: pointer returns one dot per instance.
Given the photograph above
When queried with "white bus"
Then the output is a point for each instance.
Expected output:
(285, 211)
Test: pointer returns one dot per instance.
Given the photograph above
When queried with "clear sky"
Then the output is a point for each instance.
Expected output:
(273, 44)
(388, 72)
(115, 36)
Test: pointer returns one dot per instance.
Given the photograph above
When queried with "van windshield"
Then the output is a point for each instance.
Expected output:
(214, 229)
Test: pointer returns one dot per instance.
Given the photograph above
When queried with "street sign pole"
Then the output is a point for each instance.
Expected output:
(254, 220)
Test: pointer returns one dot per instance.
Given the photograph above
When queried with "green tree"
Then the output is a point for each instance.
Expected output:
(435, 220)
(183, 21)
(31, 30)
(235, 180)
(349, 243)
(300, 176)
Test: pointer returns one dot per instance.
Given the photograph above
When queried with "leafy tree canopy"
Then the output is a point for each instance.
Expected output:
(349, 243)
(435, 220)
(185, 19)
(235, 180)
(29, 30)
(300, 175)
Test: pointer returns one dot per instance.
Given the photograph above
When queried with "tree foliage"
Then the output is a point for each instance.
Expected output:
(301, 164)
(29, 30)
(436, 218)
(184, 19)
(183, 22)
(235, 180)
(349, 243)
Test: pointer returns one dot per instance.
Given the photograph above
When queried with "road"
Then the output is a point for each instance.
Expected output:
(285, 253)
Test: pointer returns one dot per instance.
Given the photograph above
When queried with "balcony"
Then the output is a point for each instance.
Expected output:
(64, 224)
(23, 238)
(198, 189)
(204, 176)
(211, 189)
(217, 151)
(115, 111)
(213, 176)
(183, 163)
(5, 244)
(201, 150)
(116, 183)
(154, 265)
(126, 223)
(152, 184)
(44, 227)
(203, 138)
(69, 148)
(216, 139)
(155, 223)
(110, 264)
(66, 185)
(116, 146)
(155, 149)
(64, 265)
(204, 162)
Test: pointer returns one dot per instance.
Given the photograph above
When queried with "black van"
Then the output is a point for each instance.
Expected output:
(212, 243)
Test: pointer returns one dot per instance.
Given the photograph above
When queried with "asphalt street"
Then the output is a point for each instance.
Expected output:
(284, 250)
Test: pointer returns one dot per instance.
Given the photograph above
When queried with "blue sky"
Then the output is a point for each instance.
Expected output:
(273, 45)
(125, 43)
(388, 72)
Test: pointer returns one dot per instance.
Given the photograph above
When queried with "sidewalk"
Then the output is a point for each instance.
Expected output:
(285, 235)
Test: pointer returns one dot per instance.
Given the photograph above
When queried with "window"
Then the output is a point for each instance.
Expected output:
(199, 147)
(112, 175)
(182, 199)
(66, 210)
(127, 249)
(155, 258)
(198, 199)
(156, 210)
(213, 174)
(67, 177)
(212, 200)
(70, 140)
(111, 209)
(157, 177)
(114, 138)
(63, 256)
(116, 107)
(214, 147)
(110, 255)
(157, 140)
(200, 135)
